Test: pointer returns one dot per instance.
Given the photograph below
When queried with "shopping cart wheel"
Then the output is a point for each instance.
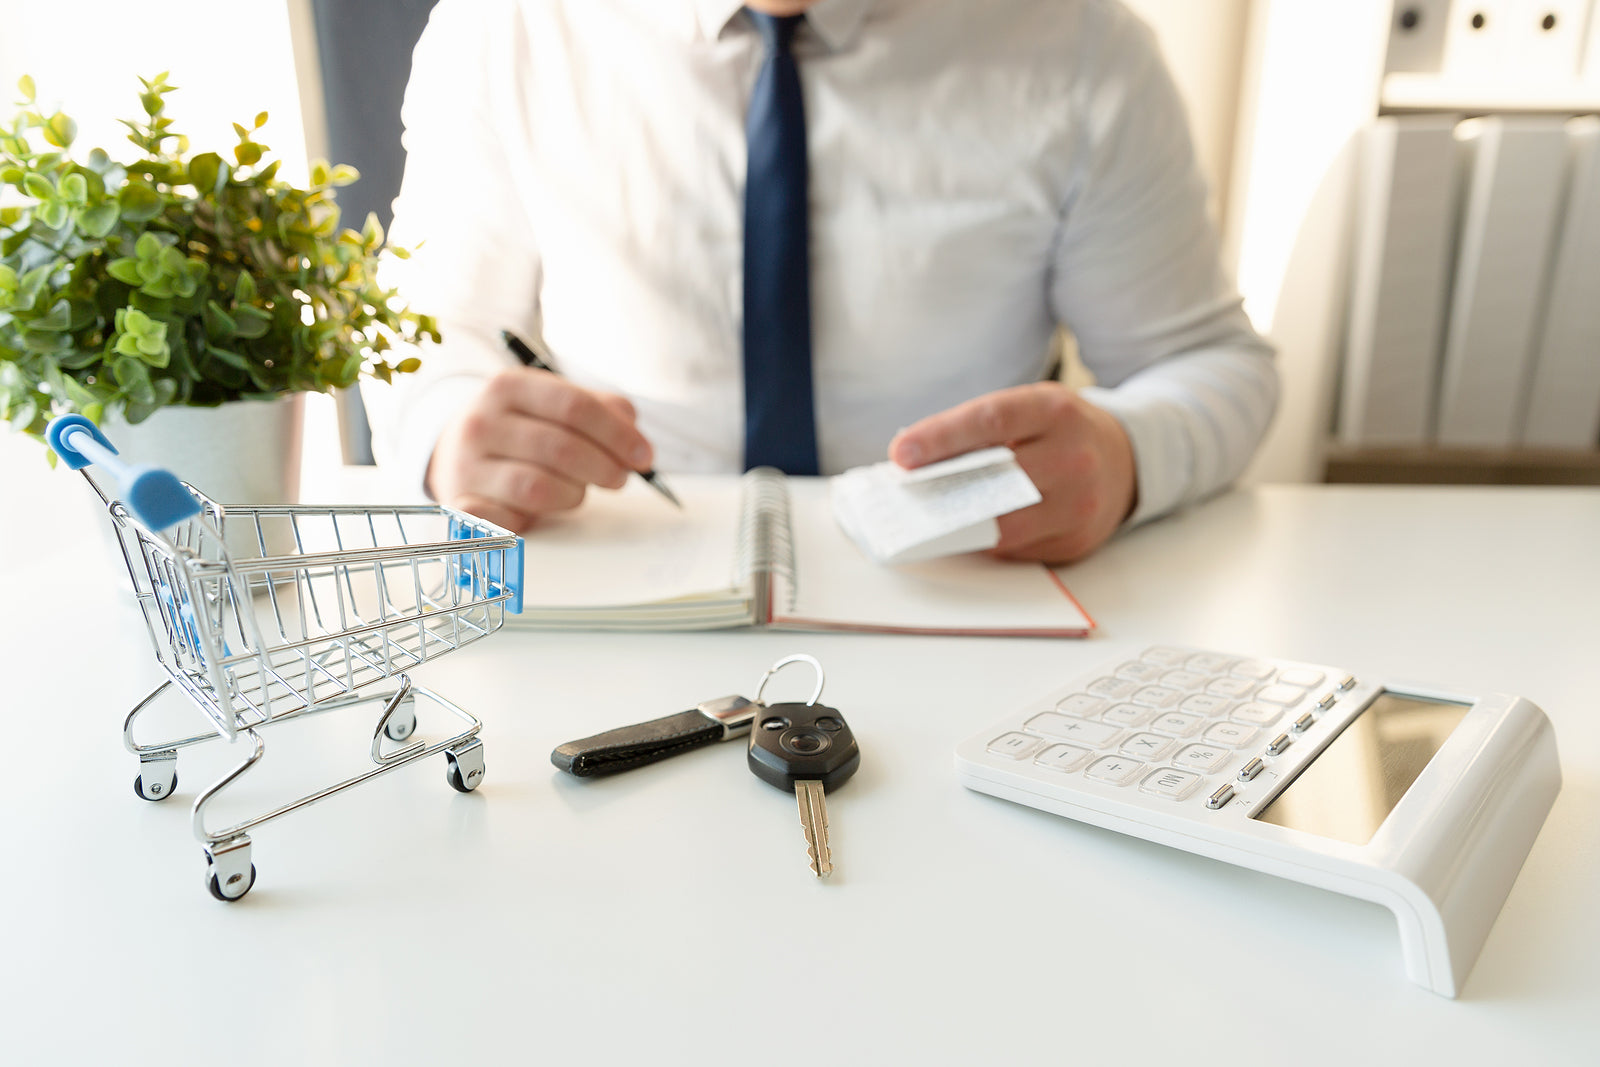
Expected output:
(158, 790)
(402, 724)
(229, 872)
(216, 889)
(466, 766)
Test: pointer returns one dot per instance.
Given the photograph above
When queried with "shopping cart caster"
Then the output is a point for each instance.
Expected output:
(157, 778)
(466, 766)
(229, 872)
(402, 723)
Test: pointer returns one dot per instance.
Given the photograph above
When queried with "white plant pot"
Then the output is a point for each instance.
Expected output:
(246, 452)
(241, 454)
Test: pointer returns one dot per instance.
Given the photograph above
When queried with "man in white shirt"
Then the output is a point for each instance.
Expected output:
(979, 173)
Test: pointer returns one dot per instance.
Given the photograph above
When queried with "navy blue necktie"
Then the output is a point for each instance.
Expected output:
(780, 425)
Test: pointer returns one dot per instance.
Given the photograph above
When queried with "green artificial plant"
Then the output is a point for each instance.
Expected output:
(175, 280)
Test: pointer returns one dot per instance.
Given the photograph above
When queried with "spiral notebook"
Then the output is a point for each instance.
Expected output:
(763, 550)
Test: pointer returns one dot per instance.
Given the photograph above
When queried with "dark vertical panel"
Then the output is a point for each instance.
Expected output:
(364, 50)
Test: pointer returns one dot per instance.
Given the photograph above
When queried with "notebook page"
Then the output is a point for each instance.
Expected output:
(632, 547)
(838, 586)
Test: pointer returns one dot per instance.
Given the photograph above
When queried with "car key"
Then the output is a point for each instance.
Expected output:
(806, 749)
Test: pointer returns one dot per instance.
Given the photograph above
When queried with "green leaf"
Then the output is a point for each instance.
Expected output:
(152, 103)
(244, 290)
(59, 317)
(247, 154)
(251, 322)
(44, 342)
(60, 130)
(99, 220)
(261, 119)
(38, 186)
(125, 270)
(138, 202)
(26, 87)
(204, 170)
(53, 214)
(409, 365)
(79, 358)
(74, 189)
(233, 359)
(219, 324)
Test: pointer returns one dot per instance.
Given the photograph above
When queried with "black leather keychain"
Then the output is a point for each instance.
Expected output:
(643, 743)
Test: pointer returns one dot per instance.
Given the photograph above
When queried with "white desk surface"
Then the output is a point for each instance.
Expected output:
(667, 916)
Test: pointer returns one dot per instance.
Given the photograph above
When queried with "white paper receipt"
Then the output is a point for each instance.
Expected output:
(900, 516)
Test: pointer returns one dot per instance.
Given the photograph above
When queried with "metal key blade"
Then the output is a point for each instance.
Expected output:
(814, 821)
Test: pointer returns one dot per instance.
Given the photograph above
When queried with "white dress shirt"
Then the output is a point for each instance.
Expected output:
(980, 172)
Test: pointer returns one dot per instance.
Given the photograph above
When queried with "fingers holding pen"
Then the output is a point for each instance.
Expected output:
(530, 445)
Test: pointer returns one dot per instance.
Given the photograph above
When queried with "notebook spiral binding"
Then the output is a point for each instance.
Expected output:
(766, 537)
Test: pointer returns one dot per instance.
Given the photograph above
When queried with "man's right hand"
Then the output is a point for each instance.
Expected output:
(531, 444)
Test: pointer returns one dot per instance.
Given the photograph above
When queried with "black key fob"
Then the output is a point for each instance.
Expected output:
(792, 743)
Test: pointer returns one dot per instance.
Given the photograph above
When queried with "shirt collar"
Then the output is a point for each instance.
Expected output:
(837, 23)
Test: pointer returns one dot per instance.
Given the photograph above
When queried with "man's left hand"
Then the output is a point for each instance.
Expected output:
(1077, 454)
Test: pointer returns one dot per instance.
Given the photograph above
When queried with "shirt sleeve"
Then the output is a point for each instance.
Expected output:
(1138, 279)
(474, 264)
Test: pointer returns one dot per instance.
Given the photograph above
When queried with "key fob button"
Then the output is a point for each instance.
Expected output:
(829, 723)
(804, 742)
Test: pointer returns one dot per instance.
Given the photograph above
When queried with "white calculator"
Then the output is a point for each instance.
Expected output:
(1422, 800)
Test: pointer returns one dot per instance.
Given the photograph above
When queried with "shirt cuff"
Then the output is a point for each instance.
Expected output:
(1162, 458)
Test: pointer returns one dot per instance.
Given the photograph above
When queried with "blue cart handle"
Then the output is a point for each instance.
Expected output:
(155, 496)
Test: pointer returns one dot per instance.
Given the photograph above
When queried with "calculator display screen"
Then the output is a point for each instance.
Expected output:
(1350, 788)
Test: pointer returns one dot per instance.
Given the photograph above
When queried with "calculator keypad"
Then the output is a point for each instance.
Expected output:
(1176, 724)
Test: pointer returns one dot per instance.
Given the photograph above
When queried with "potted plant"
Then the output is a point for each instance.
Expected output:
(141, 290)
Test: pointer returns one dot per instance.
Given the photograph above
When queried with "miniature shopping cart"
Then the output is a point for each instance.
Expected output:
(265, 614)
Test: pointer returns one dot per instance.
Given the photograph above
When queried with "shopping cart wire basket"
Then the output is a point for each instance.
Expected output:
(260, 615)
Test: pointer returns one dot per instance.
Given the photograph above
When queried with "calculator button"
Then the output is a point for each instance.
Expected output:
(1205, 704)
(1176, 723)
(1251, 769)
(1113, 769)
(1326, 701)
(1184, 679)
(1139, 671)
(1169, 782)
(1301, 676)
(1303, 723)
(1157, 696)
(1081, 704)
(1231, 687)
(1223, 794)
(1209, 663)
(1166, 657)
(1278, 744)
(1015, 745)
(1256, 713)
(1062, 757)
(1281, 694)
(1206, 758)
(1069, 729)
(1127, 715)
(1112, 688)
(1347, 682)
(1145, 746)
(1253, 669)
(1232, 734)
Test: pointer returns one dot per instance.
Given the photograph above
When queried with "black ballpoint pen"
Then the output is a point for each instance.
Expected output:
(530, 358)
